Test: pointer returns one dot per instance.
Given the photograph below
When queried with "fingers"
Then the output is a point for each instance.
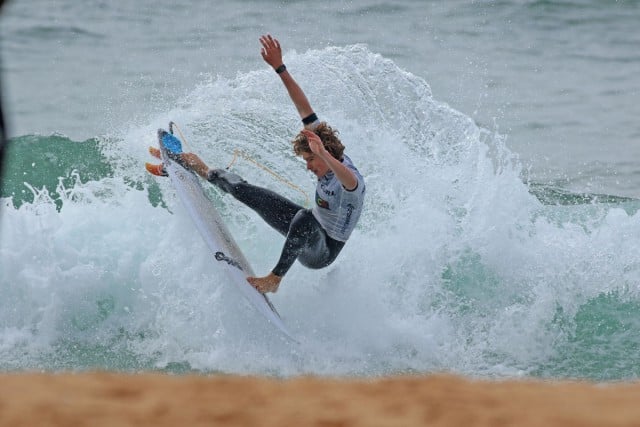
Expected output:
(267, 39)
(269, 42)
(311, 135)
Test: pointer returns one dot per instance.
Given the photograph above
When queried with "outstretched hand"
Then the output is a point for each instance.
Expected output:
(271, 51)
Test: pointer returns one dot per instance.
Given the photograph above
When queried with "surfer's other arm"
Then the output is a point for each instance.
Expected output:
(272, 54)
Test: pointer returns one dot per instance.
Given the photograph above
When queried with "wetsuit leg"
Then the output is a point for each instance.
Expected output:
(277, 211)
(308, 242)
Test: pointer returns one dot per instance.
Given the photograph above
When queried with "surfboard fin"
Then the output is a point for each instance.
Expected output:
(155, 152)
(157, 170)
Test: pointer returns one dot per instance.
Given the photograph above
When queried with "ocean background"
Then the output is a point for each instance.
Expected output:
(499, 141)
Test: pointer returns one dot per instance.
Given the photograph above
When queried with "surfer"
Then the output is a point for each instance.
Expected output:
(314, 236)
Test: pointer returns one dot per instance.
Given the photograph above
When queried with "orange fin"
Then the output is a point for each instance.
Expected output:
(157, 170)
(155, 152)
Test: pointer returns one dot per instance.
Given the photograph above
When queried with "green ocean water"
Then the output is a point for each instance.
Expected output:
(47, 163)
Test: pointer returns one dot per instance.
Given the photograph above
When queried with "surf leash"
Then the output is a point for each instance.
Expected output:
(182, 138)
(239, 153)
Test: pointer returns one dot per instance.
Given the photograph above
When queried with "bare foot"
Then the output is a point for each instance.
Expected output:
(265, 284)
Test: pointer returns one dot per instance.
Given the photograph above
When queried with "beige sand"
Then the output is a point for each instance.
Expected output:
(105, 399)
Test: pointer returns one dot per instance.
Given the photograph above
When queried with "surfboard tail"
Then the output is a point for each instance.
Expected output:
(169, 142)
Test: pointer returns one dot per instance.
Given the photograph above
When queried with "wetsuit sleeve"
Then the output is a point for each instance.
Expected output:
(359, 179)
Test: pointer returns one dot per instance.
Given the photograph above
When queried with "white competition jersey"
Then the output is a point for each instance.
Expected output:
(337, 209)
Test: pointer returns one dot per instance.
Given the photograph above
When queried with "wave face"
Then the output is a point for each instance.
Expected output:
(457, 265)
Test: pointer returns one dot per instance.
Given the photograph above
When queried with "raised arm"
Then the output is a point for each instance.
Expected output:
(272, 54)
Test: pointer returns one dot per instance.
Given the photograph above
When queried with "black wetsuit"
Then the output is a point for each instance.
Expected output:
(306, 240)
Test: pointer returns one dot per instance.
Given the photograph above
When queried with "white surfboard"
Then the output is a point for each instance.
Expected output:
(216, 234)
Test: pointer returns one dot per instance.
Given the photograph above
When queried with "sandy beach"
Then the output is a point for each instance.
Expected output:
(109, 399)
